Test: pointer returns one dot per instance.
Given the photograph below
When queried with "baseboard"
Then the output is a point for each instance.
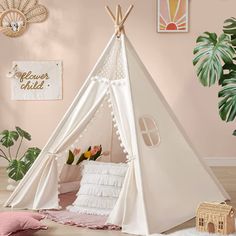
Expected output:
(220, 161)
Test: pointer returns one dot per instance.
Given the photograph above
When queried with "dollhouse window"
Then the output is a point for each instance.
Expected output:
(149, 131)
(221, 225)
(201, 222)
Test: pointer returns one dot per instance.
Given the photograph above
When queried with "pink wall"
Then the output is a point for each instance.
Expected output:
(78, 30)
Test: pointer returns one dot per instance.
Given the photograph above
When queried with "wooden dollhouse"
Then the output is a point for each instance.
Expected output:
(215, 218)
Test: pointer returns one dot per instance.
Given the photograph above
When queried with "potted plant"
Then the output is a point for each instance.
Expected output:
(215, 62)
(18, 164)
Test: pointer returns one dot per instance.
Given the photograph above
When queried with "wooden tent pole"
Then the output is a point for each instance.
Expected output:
(127, 14)
(118, 19)
(121, 28)
(117, 15)
(110, 14)
(120, 13)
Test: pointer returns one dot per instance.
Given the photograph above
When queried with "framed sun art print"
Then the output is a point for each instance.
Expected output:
(172, 15)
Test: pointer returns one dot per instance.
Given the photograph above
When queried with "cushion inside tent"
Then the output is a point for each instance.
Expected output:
(99, 188)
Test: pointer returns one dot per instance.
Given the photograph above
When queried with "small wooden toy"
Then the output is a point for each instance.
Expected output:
(215, 218)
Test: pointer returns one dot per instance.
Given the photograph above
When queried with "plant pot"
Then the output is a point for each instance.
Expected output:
(70, 173)
(11, 184)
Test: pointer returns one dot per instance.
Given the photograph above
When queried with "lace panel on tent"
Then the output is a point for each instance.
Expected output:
(113, 66)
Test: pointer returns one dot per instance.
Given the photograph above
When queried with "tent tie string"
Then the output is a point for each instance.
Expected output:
(56, 155)
(130, 158)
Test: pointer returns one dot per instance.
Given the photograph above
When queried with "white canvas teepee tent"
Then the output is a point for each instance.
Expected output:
(165, 180)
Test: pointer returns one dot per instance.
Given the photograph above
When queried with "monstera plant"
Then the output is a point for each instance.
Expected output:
(215, 60)
(18, 165)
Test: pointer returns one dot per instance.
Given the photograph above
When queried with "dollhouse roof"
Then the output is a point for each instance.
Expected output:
(215, 208)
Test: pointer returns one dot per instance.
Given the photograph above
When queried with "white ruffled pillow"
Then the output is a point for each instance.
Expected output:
(99, 187)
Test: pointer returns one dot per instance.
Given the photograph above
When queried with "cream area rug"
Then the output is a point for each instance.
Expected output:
(191, 232)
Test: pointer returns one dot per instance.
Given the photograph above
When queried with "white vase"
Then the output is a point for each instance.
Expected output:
(11, 184)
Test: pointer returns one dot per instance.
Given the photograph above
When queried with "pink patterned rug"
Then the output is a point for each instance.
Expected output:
(76, 219)
(80, 220)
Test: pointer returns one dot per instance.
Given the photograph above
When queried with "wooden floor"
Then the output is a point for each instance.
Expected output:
(226, 175)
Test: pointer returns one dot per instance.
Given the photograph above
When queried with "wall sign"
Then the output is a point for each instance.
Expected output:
(172, 15)
(36, 80)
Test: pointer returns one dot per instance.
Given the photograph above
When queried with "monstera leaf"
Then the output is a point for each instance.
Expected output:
(230, 26)
(227, 106)
(23, 133)
(30, 156)
(16, 169)
(210, 52)
(8, 138)
(228, 68)
(230, 29)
